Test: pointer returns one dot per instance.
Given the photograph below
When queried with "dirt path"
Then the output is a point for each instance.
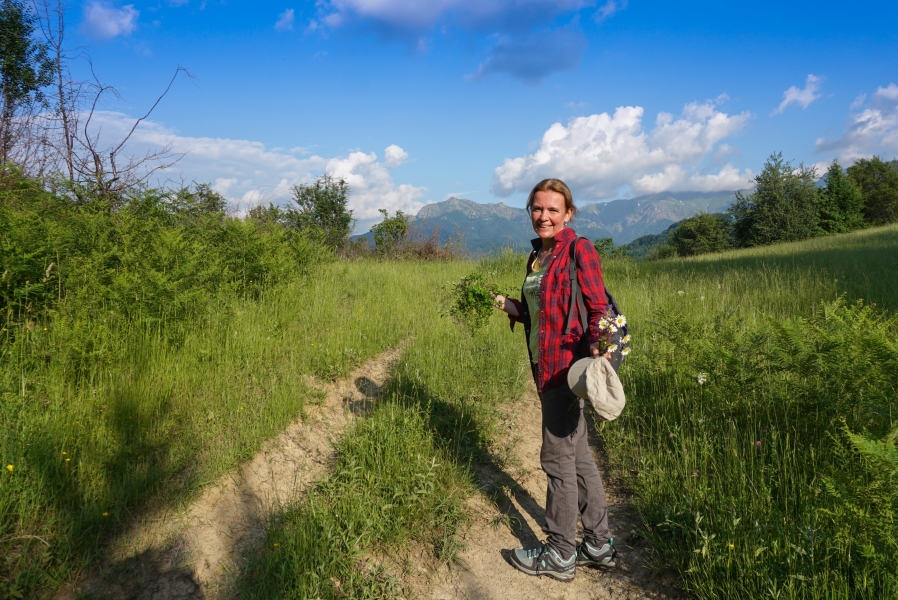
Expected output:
(195, 552)
(512, 520)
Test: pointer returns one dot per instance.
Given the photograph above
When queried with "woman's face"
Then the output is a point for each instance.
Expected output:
(549, 214)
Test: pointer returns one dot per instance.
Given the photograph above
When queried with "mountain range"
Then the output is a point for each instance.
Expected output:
(485, 228)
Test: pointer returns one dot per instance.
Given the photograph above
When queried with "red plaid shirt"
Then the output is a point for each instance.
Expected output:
(556, 350)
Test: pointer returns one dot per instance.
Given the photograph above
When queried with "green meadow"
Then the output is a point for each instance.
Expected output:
(758, 441)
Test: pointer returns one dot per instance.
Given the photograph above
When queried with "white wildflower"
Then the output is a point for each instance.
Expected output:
(626, 339)
(612, 328)
(625, 351)
(701, 378)
(603, 324)
(620, 321)
(612, 348)
(681, 292)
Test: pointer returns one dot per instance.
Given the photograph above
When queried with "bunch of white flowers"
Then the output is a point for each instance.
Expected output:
(609, 341)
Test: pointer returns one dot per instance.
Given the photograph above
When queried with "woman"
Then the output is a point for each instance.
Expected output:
(574, 484)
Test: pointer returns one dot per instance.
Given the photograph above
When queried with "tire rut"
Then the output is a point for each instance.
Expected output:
(197, 551)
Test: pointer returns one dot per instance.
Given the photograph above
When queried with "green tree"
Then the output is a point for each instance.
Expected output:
(25, 68)
(783, 208)
(878, 182)
(321, 206)
(701, 234)
(197, 202)
(606, 248)
(841, 202)
(391, 231)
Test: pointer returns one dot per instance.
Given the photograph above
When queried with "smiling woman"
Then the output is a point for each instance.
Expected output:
(574, 487)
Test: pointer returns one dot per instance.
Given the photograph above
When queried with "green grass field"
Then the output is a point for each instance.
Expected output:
(761, 482)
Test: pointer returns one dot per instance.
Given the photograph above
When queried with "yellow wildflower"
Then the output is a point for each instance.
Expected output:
(732, 547)
(10, 468)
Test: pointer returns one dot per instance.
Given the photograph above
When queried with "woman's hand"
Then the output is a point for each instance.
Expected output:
(506, 305)
(594, 350)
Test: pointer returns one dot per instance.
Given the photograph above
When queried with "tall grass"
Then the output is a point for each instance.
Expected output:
(176, 408)
(757, 481)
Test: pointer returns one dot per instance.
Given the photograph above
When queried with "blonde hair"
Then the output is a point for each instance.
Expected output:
(553, 185)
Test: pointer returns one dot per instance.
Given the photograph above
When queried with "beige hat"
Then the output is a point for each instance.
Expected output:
(594, 379)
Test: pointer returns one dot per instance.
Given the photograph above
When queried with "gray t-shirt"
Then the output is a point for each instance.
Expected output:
(531, 294)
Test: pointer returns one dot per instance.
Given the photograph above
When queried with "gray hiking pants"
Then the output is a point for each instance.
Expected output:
(574, 484)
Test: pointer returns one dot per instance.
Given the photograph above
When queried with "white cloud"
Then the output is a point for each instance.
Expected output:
(394, 155)
(106, 22)
(285, 20)
(248, 173)
(602, 155)
(609, 9)
(802, 97)
(872, 127)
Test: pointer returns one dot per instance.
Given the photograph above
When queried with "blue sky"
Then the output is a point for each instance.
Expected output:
(413, 102)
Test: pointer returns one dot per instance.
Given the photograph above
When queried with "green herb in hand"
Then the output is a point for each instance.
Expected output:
(471, 301)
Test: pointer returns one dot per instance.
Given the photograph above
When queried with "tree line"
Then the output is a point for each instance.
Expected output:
(788, 205)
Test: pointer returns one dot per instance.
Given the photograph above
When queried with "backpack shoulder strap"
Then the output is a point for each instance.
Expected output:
(577, 303)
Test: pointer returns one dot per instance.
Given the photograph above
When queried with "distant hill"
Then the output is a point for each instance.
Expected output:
(488, 227)
(641, 246)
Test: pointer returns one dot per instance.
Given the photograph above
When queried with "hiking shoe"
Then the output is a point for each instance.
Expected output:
(602, 558)
(544, 560)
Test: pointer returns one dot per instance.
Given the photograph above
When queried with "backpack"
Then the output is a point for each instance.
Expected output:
(578, 304)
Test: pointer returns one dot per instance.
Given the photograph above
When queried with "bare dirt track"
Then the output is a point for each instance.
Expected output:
(508, 515)
(196, 551)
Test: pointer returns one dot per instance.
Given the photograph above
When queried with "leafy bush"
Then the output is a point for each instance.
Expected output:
(701, 234)
(390, 232)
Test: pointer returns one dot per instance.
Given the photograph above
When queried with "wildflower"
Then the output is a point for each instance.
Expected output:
(612, 348)
(63, 452)
(695, 473)
(105, 514)
(626, 339)
(612, 328)
(625, 351)
(758, 443)
(620, 321)
(701, 378)
(45, 329)
(603, 324)
(681, 292)
(68, 459)
(702, 298)
(10, 468)
(732, 547)
(275, 544)
(670, 435)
